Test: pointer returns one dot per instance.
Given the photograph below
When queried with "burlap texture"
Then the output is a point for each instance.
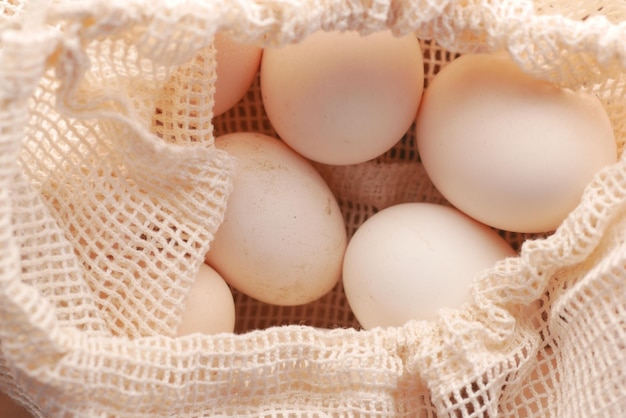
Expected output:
(111, 191)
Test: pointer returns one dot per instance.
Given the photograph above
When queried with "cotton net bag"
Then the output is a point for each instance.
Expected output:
(112, 191)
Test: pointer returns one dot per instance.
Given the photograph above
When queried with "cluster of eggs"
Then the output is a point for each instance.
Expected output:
(508, 151)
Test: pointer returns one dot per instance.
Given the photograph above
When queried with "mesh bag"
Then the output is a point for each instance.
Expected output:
(111, 192)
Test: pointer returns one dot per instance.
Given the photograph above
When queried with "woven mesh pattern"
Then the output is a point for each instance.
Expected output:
(111, 191)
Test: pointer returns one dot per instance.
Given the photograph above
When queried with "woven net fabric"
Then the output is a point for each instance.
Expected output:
(111, 192)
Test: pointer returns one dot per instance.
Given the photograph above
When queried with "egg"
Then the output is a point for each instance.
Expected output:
(509, 150)
(539, 386)
(409, 260)
(210, 307)
(342, 98)
(12, 408)
(283, 236)
(237, 65)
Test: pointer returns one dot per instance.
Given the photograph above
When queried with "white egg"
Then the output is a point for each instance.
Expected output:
(507, 149)
(342, 98)
(538, 387)
(210, 307)
(410, 260)
(283, 236)
(237, 67)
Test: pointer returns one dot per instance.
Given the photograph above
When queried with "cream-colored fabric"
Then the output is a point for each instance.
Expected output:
(111, 191)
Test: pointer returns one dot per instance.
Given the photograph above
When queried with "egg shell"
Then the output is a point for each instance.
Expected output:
(210, 307)
(237, 65)
(509, 150)
(539, 386)
(283, 236)
(410, 260)
(12, 409)
(340, 97)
